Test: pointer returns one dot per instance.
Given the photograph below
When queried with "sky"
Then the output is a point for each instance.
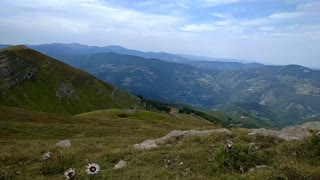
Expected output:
(266, 31)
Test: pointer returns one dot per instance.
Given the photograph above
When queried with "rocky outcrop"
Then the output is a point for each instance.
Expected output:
(65, 90)
(100, 93)
(299, 132)
(14, 70)
(267, 98)
(150, 144)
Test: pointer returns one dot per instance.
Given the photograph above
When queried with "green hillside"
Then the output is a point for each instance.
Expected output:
(35, 81)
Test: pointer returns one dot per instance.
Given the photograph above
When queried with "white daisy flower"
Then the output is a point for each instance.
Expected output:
(46, 155)
(93, 169)
(70, 174)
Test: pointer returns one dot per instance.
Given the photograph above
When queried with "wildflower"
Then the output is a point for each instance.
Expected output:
(93, 169)
(70, 174)
(229, 146)
(46, 155)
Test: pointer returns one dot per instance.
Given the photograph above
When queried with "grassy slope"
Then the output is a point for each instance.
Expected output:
(99, 136)
(105, 138)
(40, 92)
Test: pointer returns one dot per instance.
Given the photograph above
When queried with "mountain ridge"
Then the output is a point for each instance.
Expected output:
(49, 49)
(274, 87)
(290, 93)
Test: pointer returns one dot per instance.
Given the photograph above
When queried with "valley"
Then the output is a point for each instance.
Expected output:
(279, 95)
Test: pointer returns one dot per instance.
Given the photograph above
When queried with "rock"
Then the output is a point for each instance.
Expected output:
(312, 125)
(121, 164)
(258, 167)
(261, 166)
(15, 71)
(180, 134)
(149, 144)
(65, 90)
(299, 132)
(100, 92)
(64, 144)
(265, 132)
(294, 133)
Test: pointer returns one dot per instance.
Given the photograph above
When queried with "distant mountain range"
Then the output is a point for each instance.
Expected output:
(64, 50)
(32, 80)
(249, 92)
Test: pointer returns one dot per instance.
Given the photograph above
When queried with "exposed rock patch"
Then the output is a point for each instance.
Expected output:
(267, 98)
(64, 144)
(150, 144)
(289, 133)
(65, 90)
(100, 92)
(121, 164)
(15, 70)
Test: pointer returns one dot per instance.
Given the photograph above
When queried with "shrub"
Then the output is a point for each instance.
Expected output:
(122, 115)
(304, 151)
(240, 158)
(287, 172)
(157, 105)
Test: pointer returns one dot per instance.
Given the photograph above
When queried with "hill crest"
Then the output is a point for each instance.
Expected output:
(35, 81)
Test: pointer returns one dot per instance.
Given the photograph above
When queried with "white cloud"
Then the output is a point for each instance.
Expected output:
(198, 28)
(254, 22)
(172, 26)
(222, 15)
(267, 28)
(285, 15)
(70, 15)
(218, 2)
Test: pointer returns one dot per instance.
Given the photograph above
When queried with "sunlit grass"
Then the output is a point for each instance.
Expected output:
(104, 138)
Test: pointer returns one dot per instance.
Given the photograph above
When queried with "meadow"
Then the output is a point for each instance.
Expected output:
(107, 136)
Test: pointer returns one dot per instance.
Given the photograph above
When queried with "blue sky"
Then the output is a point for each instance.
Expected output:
(266, 31)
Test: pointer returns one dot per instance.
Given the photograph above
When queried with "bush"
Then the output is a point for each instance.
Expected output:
(157, 105)
(304, 151)
(240, 158)
(287, 172)
(122, 115)
(200, 114)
